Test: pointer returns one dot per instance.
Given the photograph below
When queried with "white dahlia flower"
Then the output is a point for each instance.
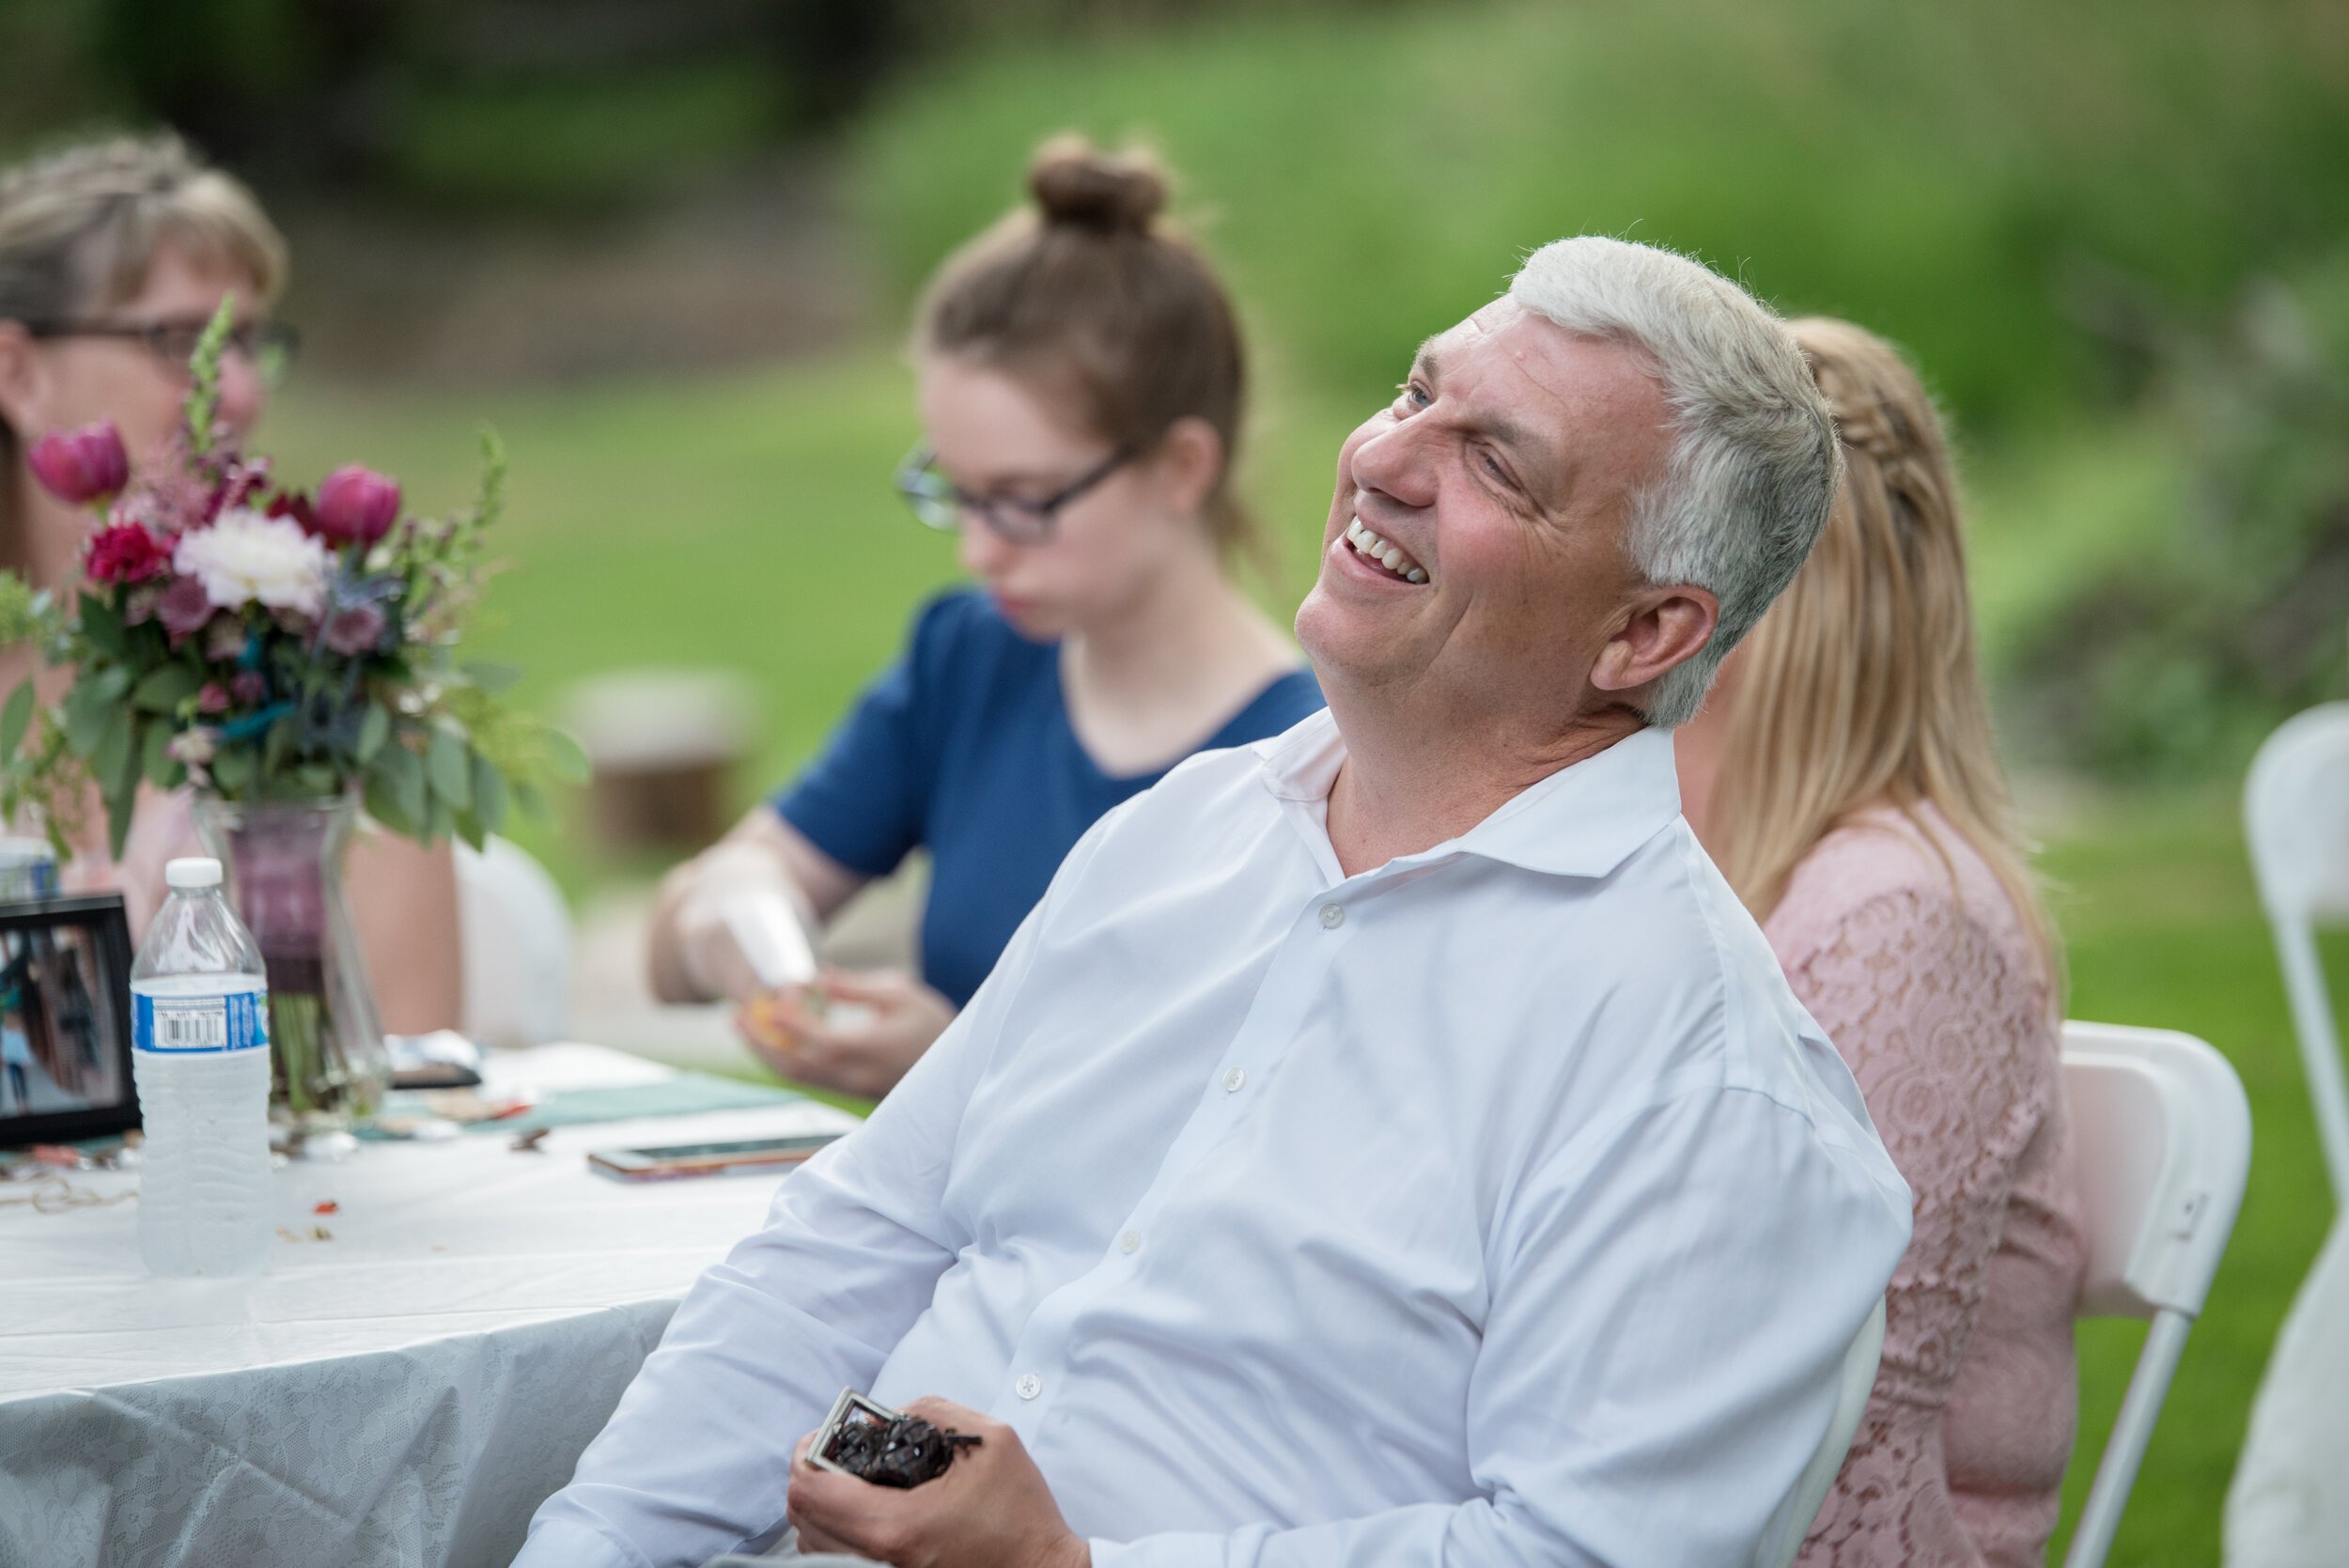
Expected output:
(245, 557)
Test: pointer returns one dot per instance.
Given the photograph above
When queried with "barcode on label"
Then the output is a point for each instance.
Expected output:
(213, 1023)
(185, 1029)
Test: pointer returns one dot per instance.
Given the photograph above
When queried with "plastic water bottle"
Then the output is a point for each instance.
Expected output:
(199, 1021)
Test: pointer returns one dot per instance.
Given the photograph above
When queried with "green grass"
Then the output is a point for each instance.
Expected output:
(1955, 177)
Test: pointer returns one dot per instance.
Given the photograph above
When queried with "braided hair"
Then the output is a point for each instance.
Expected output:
(1862, 685)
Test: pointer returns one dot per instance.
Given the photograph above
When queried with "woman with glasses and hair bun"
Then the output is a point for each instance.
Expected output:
(1081, 390)
(114, 256)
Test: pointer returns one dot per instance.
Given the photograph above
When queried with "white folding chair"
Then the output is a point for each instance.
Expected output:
(2295, 813)
(2162, 1133)
(1800, 1510)
(515, 937)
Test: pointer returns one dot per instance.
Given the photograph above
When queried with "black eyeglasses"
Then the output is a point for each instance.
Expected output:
(269, 345)
(940, 503)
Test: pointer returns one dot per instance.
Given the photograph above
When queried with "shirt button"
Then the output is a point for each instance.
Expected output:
(1130, 1243)
(1332, 916)
(1233, 1080)
(1030, 1386)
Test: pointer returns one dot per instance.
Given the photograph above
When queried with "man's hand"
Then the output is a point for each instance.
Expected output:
(991, 1509)
(871, 1031)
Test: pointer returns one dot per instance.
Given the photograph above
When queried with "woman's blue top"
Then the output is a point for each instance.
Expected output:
(964, 746)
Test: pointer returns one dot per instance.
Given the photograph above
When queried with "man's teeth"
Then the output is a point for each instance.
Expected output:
(1372, 547)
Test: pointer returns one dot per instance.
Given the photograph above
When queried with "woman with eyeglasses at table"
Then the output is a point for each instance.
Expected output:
(1080, 384)
(1845, 777)
(113, 258)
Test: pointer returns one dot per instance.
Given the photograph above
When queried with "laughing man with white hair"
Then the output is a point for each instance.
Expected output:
(1391, 1143)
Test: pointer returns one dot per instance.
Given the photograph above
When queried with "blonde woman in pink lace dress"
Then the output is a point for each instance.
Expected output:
(1845, 777)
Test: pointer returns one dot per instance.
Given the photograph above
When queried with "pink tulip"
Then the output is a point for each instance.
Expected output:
(355, 505)
(82, 466)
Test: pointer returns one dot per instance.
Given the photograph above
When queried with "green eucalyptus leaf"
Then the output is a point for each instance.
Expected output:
(112, 754)
(109, 685)
(452, 779)
(468, 826)
(532, 801)
(278, 744)
(402, 774)
(384, 805)
(233, 772)
(163, 690)
(15, 718)
(566, 759)
(156, 761)
(375, 727)
(317, 779)
(85, 718)
(488, 793)
(119, 803)
(102, 624)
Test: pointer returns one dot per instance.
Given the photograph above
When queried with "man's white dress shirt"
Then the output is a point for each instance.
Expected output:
(1500, 1206)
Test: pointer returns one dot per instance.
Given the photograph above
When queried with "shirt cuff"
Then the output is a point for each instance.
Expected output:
(568, 1543)
(1175, 1549)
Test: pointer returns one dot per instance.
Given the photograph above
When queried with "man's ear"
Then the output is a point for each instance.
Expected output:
(23, 381)
(1189, 462)
(1667, 628)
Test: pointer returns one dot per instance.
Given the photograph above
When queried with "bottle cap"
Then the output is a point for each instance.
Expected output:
(193, 871)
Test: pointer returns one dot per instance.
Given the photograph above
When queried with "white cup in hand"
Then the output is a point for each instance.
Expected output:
(768, 933)
(740, 931)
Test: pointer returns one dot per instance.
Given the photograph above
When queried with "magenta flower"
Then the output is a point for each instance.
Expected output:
(249, 688)
(355, 505)
(125, 552)
(83, 466)
(214, 698)
(184, 608)
(353, 630)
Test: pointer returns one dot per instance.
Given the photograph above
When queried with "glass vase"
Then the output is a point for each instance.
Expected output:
(284, 860)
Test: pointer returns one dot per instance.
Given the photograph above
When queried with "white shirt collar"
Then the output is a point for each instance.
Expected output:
(1583, 820)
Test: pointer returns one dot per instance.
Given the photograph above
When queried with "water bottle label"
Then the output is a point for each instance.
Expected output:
(237, 1022)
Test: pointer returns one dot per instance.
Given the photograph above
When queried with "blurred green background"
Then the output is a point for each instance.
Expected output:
(667, 249)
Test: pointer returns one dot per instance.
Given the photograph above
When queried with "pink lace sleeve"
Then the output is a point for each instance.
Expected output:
(1947, 1044)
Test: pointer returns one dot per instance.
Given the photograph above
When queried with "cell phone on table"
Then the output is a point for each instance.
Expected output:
(669, 1161)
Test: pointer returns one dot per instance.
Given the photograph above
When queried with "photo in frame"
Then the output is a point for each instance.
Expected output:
(65, 1021)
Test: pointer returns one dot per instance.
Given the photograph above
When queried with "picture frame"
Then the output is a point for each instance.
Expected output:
(65, 1020)
(850, 1409)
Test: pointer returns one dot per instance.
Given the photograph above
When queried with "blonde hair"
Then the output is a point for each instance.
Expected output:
(1861, 686)
(79, 229)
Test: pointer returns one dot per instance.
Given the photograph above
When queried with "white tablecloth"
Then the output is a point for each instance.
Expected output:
(404, 1392)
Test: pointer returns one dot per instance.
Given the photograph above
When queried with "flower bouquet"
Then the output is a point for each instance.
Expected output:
(285, 653)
